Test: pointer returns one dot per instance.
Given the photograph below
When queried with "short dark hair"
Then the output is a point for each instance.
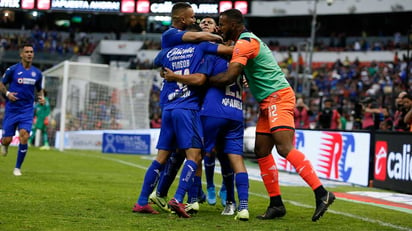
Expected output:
(178, 7)
(194, 27)
(26, 45)
(234, 15)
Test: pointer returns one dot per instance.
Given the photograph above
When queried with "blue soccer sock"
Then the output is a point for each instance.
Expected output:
(193, 192)
(186, 179)
(209, 163)
(150, 180)
(169, 174)
(21, 154)
(242, 186)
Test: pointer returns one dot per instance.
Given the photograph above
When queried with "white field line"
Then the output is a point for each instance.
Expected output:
(353, 216)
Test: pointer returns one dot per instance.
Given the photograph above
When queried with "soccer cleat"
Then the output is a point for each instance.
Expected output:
(179, 208)
(17, 172)
(211, 196)
(144, 209)
(242, 215)
(229, 209)
(45, 147)
(322, 205)
(4, 150)
(273, 212)
(159, 201)
(222, 195)
(192, 207)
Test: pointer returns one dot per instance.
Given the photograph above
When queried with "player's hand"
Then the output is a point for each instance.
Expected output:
(244, 81)
(12, 96)
(168, 74)
(162, 72)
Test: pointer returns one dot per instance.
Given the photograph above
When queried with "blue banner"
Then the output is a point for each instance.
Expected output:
(126, 143)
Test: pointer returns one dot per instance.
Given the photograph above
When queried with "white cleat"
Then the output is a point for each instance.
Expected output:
(17, 172)
(192, 208)
(242, 215)
(229, 210)
(159, 201)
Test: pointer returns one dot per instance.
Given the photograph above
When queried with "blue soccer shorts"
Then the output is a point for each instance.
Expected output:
(181, 128)
(229, 132)
(16, 120)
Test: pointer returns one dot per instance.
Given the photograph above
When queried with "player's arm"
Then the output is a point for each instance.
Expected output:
(224, 50)
(6, 77)
(196, 79)
(191, 36)
(222, 79)
(245, 49)
(40, 97)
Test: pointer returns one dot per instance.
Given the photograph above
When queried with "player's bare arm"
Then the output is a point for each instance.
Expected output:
(10, 95)
(40, 97)
(228, 77)
(196, 79)
(225, 50)
(191, 36)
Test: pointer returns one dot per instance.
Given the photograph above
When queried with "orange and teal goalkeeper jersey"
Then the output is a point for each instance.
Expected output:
(262, 71)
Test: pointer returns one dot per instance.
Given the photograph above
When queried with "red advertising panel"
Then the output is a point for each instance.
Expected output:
(43, 4)
(143, 6)
(381, 152)
(27, 4)
(242, 6)
(393, 161)
(225, 5)
(127, 6)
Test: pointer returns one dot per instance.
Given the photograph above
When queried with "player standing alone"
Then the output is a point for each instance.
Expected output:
(22, 80)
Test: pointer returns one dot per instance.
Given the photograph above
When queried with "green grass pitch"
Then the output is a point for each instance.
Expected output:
(88, 190)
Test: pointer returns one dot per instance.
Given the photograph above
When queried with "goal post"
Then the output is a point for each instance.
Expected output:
(87, 96)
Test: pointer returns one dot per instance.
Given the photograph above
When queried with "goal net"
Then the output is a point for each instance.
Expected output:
(86, 96)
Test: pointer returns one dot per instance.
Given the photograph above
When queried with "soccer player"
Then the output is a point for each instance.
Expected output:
(182, 17)
(275, 126)
(208, 24)
(180, 105)
(222, 120)
(41, 118)
(21, 79)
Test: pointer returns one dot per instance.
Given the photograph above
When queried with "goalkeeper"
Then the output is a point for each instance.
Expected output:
(41, 122)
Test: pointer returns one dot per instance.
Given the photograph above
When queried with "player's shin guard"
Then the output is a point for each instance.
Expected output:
(150, 180)
(21, 154)
(269, 174)
(228, 177)
(209, 163)
(169, 174)
(186, 179)
(193, 192)
(242, 186)
(304, 168)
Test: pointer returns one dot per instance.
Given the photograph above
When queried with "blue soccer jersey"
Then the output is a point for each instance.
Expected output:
(172, 37)
(24, 83)
(184, 59)
(222, 102)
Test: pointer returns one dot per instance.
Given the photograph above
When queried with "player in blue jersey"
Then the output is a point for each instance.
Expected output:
(182, 17)
(208, 24)
(22, 85)
(222, 121)
(180, 105)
